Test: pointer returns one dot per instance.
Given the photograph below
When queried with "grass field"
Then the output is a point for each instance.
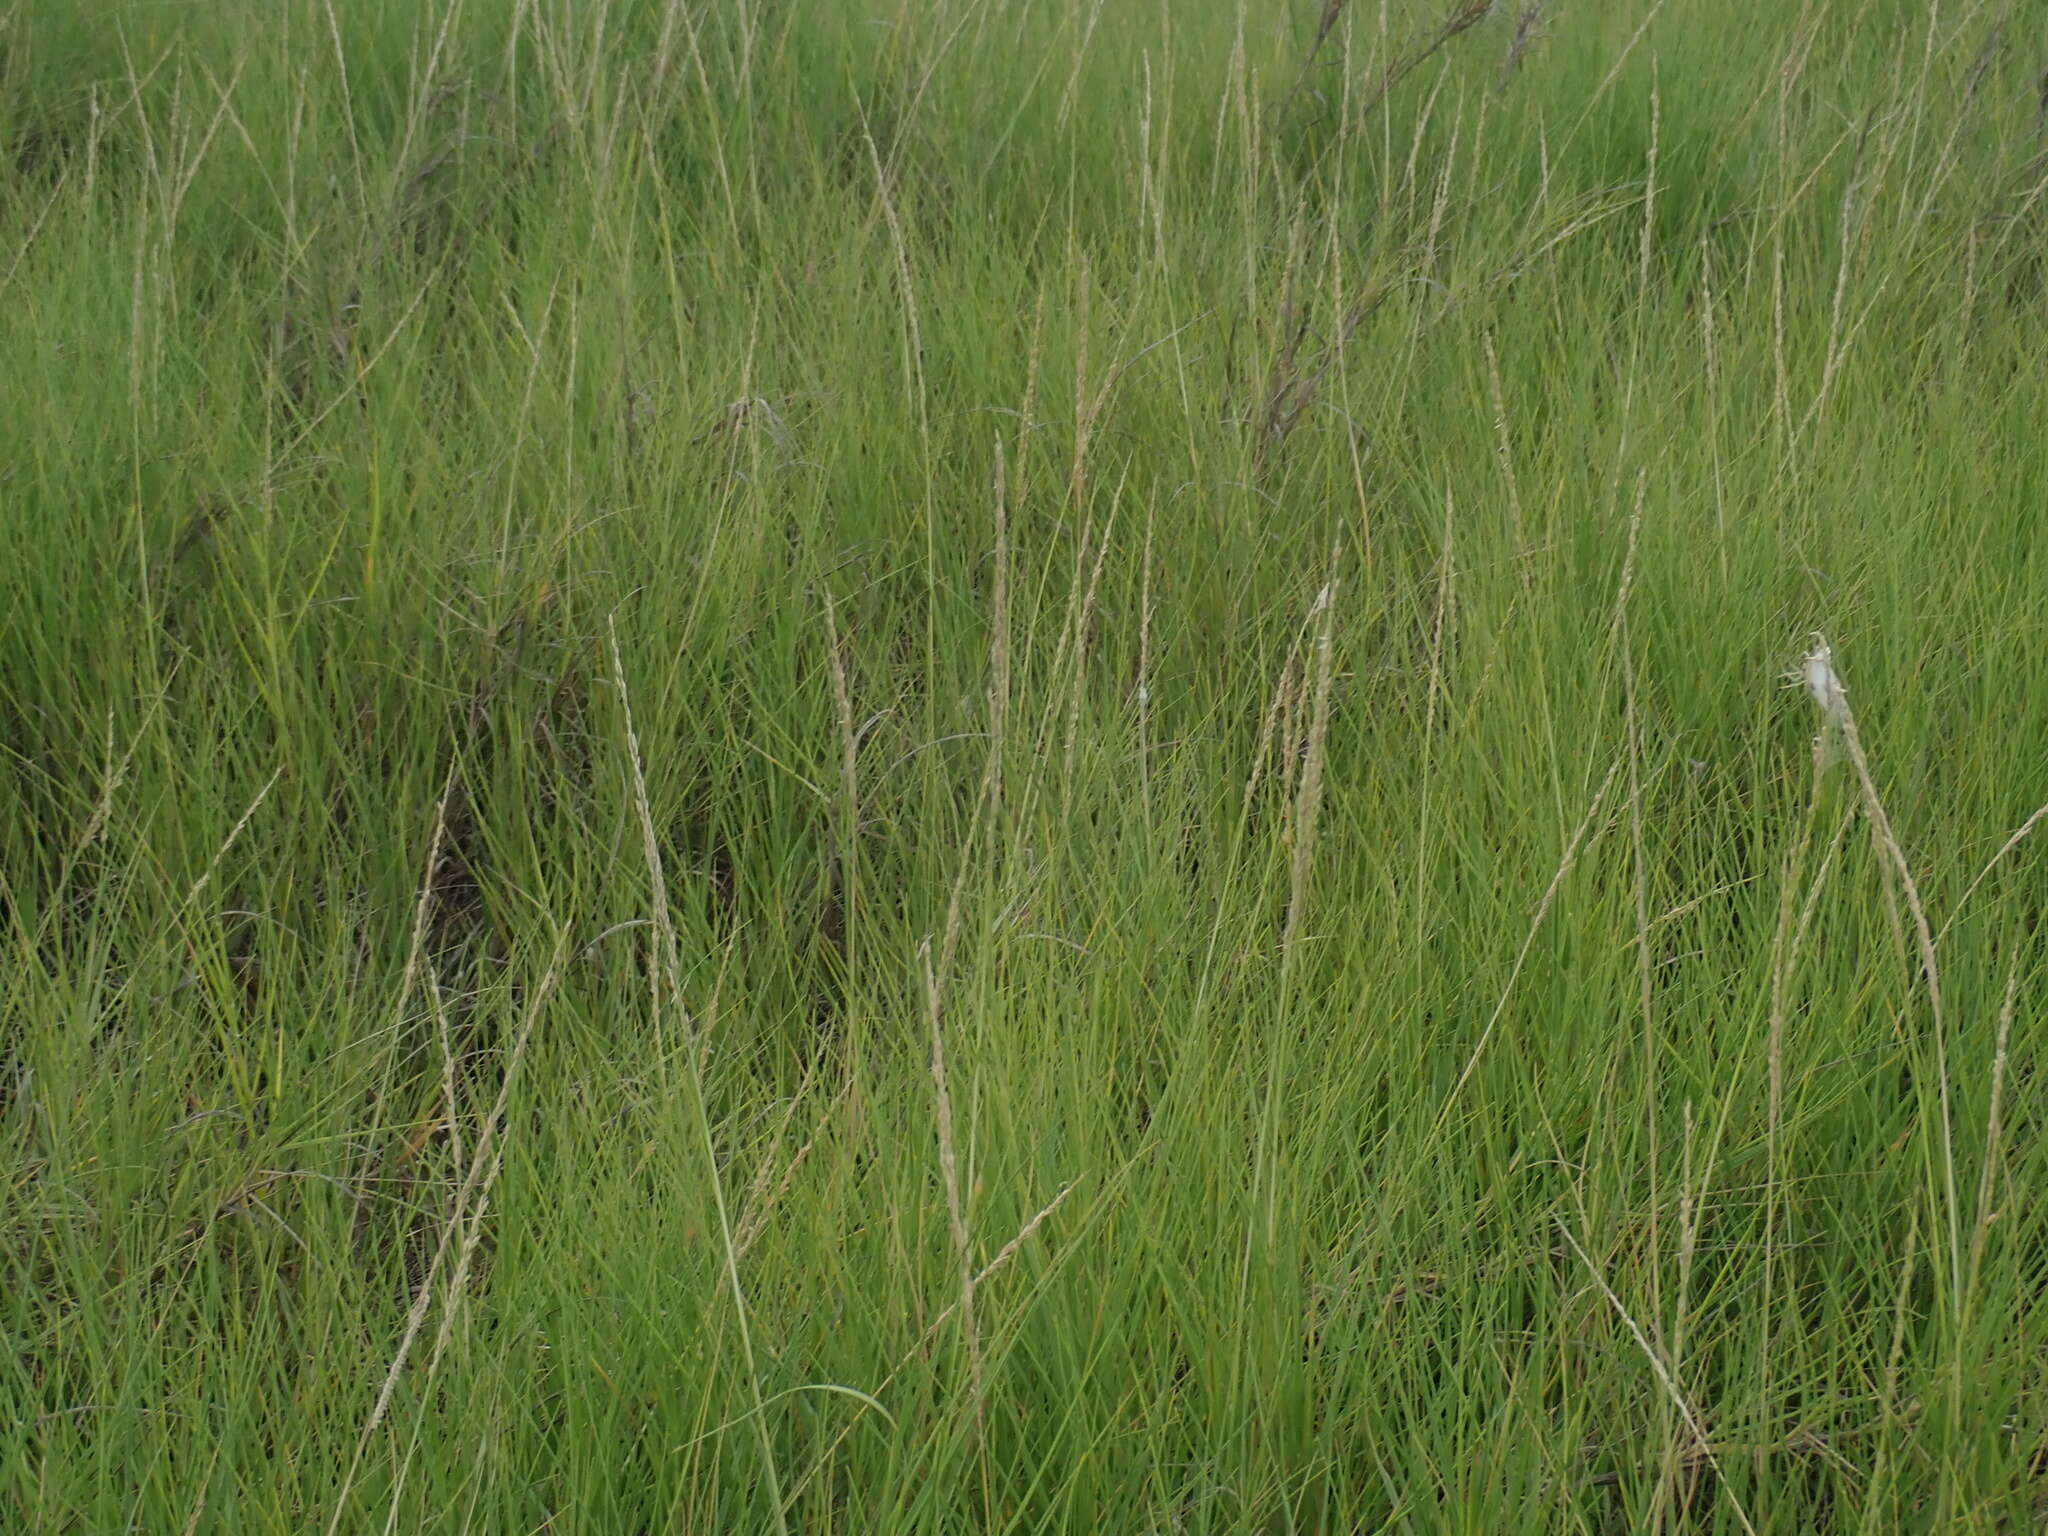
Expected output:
(1023, 765)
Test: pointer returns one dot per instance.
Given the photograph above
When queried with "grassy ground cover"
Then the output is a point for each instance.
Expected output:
(1004, 766)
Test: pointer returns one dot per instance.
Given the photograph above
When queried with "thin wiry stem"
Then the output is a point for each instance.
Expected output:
(1663, 1374)
(670, 969)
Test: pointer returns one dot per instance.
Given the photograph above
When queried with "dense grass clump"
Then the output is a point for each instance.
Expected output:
(1022, 767)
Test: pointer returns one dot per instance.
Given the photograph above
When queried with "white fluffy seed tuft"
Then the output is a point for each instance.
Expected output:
(1817, 671)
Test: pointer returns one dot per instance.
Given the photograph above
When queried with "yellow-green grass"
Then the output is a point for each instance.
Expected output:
(1021, 766)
